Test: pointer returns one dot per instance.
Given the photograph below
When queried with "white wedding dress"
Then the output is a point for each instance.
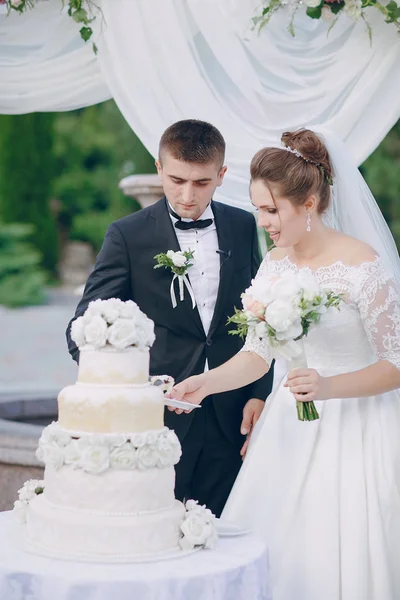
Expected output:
(325, 495)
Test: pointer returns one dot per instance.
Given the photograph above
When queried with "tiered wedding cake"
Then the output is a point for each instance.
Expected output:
(108, 490)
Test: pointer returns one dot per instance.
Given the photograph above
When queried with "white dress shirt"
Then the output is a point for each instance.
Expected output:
(204, 274)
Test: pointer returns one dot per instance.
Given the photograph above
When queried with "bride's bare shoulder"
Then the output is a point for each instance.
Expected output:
(354, 252)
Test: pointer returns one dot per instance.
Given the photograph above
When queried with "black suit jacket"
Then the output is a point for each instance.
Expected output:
(125, 269)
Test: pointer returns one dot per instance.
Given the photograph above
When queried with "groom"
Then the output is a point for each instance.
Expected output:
(226, 258)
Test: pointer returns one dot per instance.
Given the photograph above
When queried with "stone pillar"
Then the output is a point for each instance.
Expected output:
(146, 189)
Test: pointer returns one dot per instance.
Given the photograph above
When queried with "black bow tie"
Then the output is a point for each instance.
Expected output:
(185, 225)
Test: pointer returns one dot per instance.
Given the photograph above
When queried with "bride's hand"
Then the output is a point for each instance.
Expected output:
(191, 390)
(307, 385)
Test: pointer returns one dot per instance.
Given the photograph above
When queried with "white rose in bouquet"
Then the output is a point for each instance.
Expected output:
(117, 439)
(178, 258)
(96, 332)
(122, 333)
(95, 459)
(123, 457)
(287, 286)
(281, 314)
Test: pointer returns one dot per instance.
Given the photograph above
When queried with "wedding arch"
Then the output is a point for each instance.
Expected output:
(164, 60)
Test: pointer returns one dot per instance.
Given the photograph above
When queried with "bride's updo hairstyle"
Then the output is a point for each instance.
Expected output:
(301, 168)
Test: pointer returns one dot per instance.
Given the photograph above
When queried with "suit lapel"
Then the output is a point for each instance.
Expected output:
(166, 239)
(225, 244)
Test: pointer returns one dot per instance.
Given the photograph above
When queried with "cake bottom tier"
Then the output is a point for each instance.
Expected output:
(104, 537)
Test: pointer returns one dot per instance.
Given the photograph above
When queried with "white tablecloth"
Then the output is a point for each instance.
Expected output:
(236, 570)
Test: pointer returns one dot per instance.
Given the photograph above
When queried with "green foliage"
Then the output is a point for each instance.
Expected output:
(381, 171)
(21, 279)
(95, 148)
(26, 176)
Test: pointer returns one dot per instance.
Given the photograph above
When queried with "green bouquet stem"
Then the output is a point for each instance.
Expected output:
(306, 411)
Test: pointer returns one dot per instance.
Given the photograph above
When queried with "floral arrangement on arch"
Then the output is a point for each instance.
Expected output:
(329, 10)
(81, 12)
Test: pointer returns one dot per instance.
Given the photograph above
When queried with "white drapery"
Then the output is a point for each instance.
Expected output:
(165, 60)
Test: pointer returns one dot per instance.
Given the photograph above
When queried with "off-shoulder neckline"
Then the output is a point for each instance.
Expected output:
(322, 268)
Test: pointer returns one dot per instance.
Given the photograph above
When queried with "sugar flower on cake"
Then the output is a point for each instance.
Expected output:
(113, 323)
(29, 490)
(198, 527)
(123, 457)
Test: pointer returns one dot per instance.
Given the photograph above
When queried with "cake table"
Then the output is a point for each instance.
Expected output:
(236, 570)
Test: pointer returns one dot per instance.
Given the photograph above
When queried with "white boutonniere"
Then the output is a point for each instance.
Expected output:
(178, 263)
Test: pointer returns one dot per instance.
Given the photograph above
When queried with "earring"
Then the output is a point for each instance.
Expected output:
(308, 222)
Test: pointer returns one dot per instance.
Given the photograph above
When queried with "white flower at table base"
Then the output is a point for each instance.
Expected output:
(178, 262)
(94, 453)
(29, 490)
(329, 10)
(281, 309)
(115, 324)
(198, 527)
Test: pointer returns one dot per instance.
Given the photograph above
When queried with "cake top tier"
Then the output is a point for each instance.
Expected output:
(114, 324)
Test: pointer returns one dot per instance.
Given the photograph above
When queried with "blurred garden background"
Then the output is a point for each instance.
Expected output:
(59, 175)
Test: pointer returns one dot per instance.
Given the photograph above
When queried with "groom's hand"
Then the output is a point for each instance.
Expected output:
(251, 413)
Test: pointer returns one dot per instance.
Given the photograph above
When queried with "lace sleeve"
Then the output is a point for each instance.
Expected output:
(379, 306)
(254, 343)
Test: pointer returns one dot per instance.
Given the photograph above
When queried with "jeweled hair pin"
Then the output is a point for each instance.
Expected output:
(317, 164)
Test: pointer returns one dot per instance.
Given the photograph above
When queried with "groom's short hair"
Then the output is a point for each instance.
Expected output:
(193, 141)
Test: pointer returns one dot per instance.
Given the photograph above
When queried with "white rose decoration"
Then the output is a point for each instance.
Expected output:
(138, 440)
(72, 454)
(196, 530)
(129, 310)
(95, 308)
(20, 509)
(77, 332)
(96, 332)
(123, 457)
(111, 309)
(51, 454)
(353, 9)
(122, 333)
(281, 314)
(50, 433)
(326, 14)
(178, 258)
(117, 439)
(151, 437)
(147, 457)
(95, 459)
(168, 452)
(28, 490)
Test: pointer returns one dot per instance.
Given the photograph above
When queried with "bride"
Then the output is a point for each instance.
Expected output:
(325, 495)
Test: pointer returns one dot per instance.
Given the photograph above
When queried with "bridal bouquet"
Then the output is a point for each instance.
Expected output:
(282, 309)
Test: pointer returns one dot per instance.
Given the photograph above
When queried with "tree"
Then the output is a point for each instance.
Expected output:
(381, 171)
(26, 178)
